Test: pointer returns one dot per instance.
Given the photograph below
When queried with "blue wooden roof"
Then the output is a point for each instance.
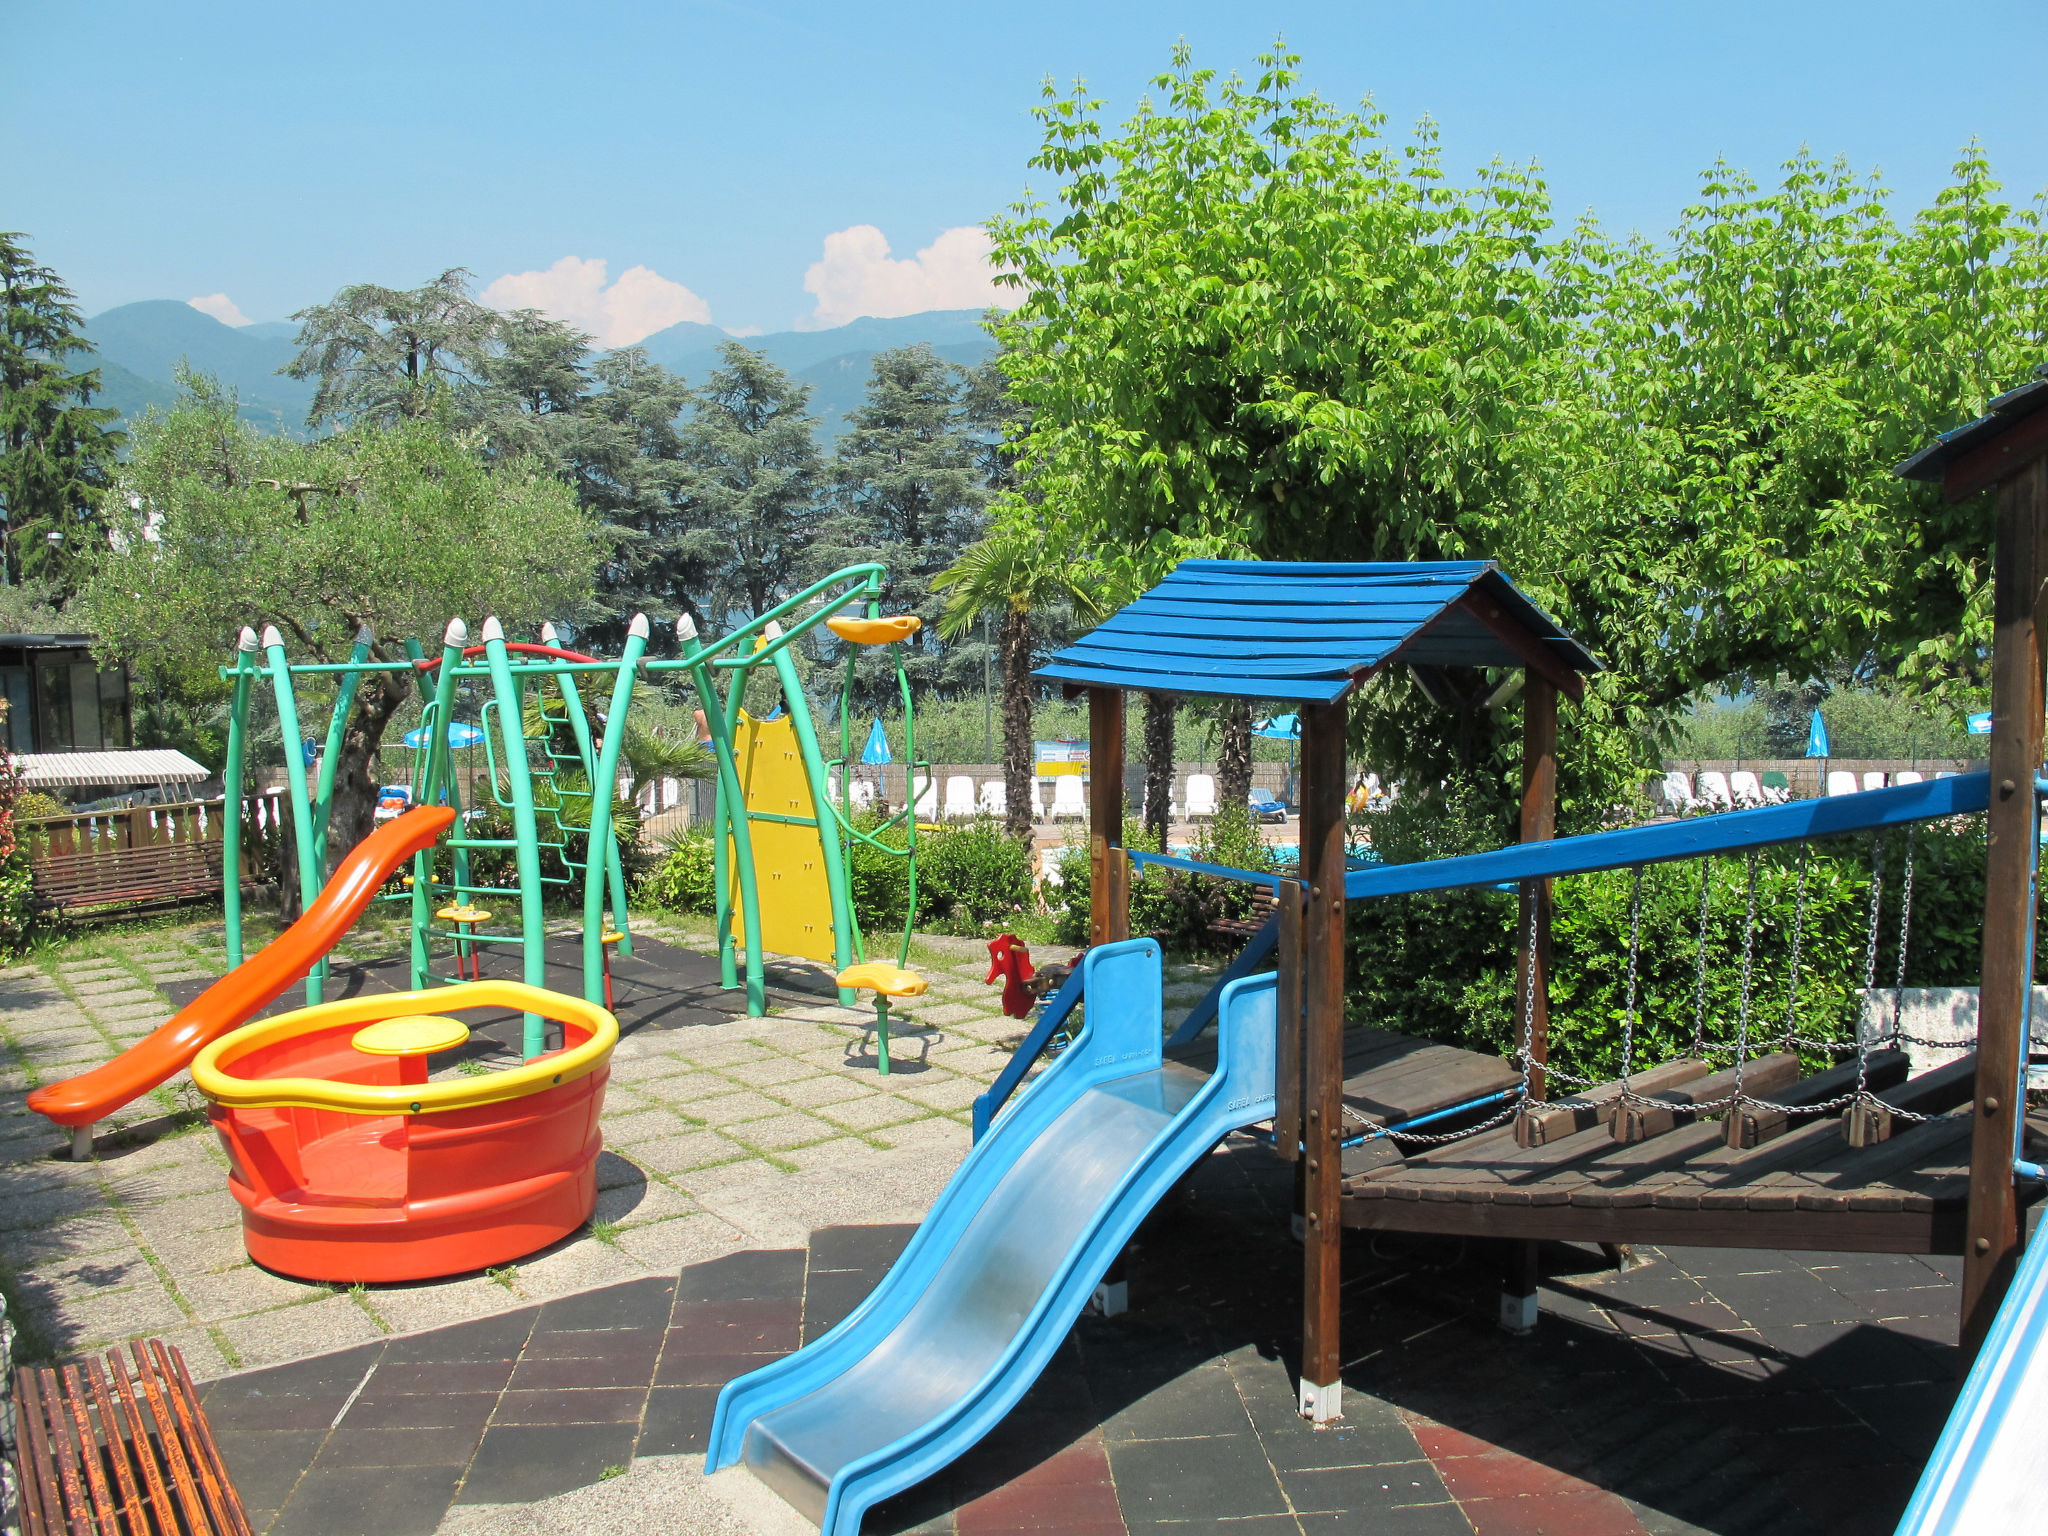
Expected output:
(1308, 632)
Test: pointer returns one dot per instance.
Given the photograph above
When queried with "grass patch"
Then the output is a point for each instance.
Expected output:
(606, 1232)
(506, 1275)
(609, 1473)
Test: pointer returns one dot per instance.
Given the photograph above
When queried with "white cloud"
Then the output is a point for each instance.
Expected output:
(859, 277)
(573, 290)
(221, 307)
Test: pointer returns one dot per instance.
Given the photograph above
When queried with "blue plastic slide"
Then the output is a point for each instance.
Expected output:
(1012, 1250)
(1987, 1475)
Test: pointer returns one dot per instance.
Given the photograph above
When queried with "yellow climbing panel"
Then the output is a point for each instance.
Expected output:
(789, 859)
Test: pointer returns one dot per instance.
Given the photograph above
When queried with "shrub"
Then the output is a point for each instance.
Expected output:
(971, 877)
(33, 803)
(1176, 906)
(680, 880)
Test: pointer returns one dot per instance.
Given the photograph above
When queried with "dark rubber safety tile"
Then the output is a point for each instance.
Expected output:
(400, 1377)
(759, 1274)
(596, 1344)
(266, 1467)
(399, 1501)
(1326, 1490)
(870, 1249)
(1584, 1512)
(564, 1375)
(1224, 1476)
(630, 1304)
(387, 1448)
(488, 1338)
(421, 1410)
(738, 1327)
(590, 1405)
(519, 1463)
(1203, 1401)
(1403, 1520)
(681, 1368)
(677, 1421)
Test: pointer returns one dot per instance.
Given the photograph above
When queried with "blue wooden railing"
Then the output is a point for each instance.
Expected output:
(1657, 843)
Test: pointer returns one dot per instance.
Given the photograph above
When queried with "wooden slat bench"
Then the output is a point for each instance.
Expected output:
(120, 1450)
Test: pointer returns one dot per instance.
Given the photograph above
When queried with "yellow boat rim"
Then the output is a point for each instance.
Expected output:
(211, 1074)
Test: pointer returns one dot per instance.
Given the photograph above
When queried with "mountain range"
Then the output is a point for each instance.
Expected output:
(141, 345)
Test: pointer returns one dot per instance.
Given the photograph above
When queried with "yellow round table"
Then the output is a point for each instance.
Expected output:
(412, 1039)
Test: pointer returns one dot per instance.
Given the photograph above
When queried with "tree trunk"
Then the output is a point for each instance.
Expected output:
(1234, 755)
(354, 810)
(1013, 641)
(1159, 718)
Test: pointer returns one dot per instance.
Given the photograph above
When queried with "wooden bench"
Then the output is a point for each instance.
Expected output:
(118, 1451)
(1264, 904)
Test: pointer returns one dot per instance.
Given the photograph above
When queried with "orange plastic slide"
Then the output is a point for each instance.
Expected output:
(251, 986)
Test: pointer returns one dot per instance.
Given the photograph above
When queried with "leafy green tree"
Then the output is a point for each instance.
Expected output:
(1007, 574)
(910, 493)
(55, 447)
(398, 529)
(1254, 324)
(388, 354)
(752, 478)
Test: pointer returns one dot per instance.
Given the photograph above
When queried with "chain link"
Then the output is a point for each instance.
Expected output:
(1798, 933)
(1699, 1000)
(1524, 1055)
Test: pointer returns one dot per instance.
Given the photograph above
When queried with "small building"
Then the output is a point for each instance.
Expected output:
(67, 724)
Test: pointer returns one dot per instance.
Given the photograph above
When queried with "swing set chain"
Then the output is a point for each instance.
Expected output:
(1528, 1050)
(1798, 932)
(1748, 978)
(1628, 1016)
(1869, 964)
(1699, 994)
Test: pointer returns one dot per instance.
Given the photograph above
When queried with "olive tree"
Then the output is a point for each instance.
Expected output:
(395, 529)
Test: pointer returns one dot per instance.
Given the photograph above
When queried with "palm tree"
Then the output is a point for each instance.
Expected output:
(1015, 573)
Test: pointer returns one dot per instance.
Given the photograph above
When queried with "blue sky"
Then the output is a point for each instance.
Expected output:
(725, 153)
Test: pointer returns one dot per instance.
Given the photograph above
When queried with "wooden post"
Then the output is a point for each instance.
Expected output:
(1109, 870)
(1322, 971)
(1539, 824)
(2020, 569)
(1287, 1005)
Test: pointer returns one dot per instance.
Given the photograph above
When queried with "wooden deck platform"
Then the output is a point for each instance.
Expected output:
(1805, 1189)
(1389, 1078)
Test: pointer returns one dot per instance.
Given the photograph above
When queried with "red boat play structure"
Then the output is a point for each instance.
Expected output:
(349, 1164)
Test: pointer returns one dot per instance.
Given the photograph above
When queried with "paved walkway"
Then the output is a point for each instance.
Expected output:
(720, 1131)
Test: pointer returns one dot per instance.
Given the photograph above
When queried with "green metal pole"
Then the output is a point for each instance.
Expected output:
(729, 820)
(231, 798)
(821, 797)
(595, 869)
(435, 719)
(525, 830)
(295, 778)
(579, 726)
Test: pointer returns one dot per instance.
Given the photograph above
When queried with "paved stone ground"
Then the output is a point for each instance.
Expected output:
(1724, 1392)
(721, 1131)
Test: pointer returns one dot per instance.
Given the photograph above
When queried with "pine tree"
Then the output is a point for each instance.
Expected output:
(910, 494)
(56, 451)
(752, 480)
